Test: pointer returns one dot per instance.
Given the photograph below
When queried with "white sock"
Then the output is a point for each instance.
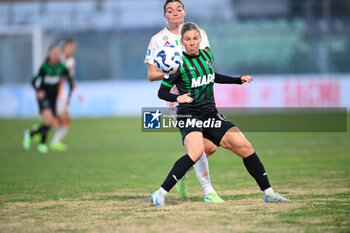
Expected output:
(163, 192)
(202, 171)
(60, 133)
(268, 191)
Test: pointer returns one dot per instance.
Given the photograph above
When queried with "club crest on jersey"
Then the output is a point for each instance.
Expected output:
(205, 80)
(209, 64)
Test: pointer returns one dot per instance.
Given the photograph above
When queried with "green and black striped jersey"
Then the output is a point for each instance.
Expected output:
(196, 76)
(49, 78)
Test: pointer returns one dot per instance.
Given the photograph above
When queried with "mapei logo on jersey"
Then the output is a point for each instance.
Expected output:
(52, 79)
(205, 80)
(152, 119)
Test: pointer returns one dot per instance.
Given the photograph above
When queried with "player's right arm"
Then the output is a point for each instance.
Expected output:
(37, 84)
(165, 87)
(153, 74)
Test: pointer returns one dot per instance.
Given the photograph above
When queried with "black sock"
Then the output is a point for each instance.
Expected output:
(44, 130)
(177, 172)
(32, 132)
(256, 169)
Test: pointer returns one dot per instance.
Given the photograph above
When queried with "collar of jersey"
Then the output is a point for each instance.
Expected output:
(171, 32)
(187, 55)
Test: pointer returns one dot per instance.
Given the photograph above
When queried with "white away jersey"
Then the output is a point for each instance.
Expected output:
(165, 37)
(70, 64)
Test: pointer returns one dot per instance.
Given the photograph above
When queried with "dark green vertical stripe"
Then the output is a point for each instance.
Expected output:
(209, 53)
(204, 54)
(185, 78)
(210, 91)
(200, 63)
(207, 70)
(192, 72)
(198, 76)
(198, 67)
(207, 58)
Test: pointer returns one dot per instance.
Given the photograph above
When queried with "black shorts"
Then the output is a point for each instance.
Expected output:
(213, 127)
(48, 102)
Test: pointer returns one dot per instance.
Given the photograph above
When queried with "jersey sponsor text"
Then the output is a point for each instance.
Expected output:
(203, 81)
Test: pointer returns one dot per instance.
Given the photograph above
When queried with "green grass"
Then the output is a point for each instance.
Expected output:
(103, 182)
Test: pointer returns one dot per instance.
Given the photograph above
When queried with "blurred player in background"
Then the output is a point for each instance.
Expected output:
(62, 120)
(46, 84)
(174, 13)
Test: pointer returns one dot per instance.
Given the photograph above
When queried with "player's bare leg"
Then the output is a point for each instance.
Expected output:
(61, 132)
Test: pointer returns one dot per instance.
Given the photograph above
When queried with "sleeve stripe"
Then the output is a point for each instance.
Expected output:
(167, 84)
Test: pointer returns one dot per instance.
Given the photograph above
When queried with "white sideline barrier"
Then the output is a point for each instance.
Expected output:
(103, 98)
(287, 91)
(126, 98)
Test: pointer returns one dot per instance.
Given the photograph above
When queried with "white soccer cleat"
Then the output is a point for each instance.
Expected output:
(275, 197)
(157, 198)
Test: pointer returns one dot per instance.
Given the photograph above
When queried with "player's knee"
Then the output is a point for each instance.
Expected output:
(48, 122)
(210, 150)
(63, 117)
(56, 122)
(244, 149)
(196, 153)
(66, 122)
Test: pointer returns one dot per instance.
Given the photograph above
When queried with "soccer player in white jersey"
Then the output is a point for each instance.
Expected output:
(174, 13)
(62, 121)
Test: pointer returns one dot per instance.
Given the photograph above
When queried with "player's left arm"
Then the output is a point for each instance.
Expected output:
(71, 69)
(70, 83)
(221, 78)
(76, 90)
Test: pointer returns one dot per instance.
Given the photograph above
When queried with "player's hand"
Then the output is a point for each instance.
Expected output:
(41, 94)
(246, 78)
(68, 101)
(185, 98)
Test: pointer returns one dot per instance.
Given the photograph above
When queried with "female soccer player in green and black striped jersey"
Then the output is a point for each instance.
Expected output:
(46, 84)
(198, 118)
(174, 14)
